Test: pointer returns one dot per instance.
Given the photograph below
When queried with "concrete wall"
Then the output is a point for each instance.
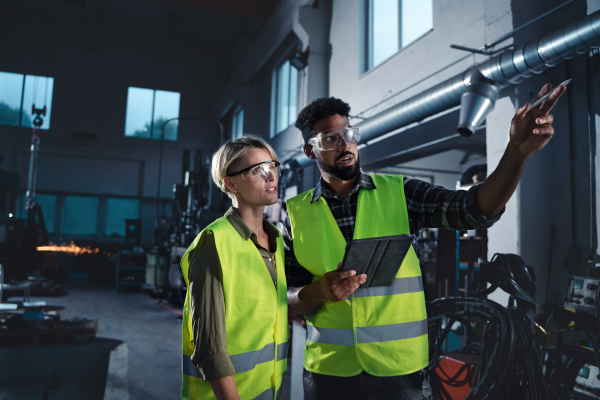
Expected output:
(455, 21)
(91, 76)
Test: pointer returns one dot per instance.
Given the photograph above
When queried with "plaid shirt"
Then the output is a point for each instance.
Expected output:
(429, 206)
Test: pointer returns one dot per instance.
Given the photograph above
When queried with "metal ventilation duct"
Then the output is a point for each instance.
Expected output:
(476, 90)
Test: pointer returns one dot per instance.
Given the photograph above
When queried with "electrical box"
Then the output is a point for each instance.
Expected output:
(583, 294)
(587, 381)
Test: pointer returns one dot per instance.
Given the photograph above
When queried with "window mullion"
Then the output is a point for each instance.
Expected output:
(370, 34)
(399, 24)
(289, 99)
(22, 101)
(152, 118)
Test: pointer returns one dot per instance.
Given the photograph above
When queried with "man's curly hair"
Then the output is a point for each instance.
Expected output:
(317, 110)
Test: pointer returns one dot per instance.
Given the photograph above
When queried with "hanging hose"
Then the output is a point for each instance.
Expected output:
(510, 348)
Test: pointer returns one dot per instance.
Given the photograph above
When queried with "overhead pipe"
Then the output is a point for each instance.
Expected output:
(476, 90)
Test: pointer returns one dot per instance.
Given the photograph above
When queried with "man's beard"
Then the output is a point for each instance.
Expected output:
(342, 173)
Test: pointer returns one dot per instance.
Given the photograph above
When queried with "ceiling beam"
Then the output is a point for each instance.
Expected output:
(252, 8)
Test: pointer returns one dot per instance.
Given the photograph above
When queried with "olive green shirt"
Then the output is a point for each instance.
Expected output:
(207, 302)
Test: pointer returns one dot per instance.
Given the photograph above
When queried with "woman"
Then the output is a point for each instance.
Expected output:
(235, 327)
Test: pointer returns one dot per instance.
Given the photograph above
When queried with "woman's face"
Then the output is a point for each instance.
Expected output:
(262, 192)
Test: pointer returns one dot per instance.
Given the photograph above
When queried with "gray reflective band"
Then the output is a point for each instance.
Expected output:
(368, 334)
(188, 367)
(344, 337)
(242, 362)
(247, 361)
(266, 395)
(386, 333)
(410, 284)
(282, 351)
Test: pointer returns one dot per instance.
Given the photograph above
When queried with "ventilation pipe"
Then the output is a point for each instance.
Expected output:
(476, 90)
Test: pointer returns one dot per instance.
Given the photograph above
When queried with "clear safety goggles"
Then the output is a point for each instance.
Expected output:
(333, 140)
(260, 171)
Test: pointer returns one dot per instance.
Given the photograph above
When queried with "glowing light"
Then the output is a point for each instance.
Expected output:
(9, 215)
(70, 248)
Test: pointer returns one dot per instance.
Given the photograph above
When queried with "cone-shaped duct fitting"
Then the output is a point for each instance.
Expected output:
(475, 104)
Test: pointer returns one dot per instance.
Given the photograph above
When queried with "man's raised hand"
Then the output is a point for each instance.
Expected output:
(531, 131)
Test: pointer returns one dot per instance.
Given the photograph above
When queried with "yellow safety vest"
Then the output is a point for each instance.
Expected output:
(255, 317)
(380, 330)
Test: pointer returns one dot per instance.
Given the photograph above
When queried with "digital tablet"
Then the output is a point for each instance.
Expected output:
(380, 258)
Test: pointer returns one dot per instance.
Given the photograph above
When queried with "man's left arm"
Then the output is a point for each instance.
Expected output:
(529, 133)
(431, 206)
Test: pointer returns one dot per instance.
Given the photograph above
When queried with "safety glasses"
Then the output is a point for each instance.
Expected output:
(260, 171)
(333, 140)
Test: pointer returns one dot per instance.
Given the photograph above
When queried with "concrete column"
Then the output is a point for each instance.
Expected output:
(316, 21)
(504, 237)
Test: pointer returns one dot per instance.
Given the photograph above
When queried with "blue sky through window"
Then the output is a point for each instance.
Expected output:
(393, 24)
(148, 109)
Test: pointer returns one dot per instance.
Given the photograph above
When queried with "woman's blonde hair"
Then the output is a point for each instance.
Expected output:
(231, 152)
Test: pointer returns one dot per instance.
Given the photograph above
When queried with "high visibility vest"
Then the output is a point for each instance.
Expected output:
(380, 330)
(255, 317)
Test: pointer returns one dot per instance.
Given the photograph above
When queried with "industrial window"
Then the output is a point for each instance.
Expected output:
(392, 25)
(285, 97)
(237, 124)
(48, 204)
(18, 93)
(117, 211)
(80, 215)
(148, 110)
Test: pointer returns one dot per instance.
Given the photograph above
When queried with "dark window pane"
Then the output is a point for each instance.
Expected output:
(117, 211)
(80, 215)
(11, 90)
(48, 204)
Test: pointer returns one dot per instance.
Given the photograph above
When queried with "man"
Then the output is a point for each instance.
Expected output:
(372, 343)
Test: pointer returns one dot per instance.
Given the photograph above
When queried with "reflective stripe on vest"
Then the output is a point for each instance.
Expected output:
(189, 368)
(367, 334)
(410, 284)
(244, 361)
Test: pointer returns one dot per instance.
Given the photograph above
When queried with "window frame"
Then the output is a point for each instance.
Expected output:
(235, 120)
(46, 118)
(153, 114)
(275, 96)
(366, 32)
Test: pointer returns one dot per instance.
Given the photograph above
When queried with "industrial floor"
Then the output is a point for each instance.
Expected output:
(152, 333)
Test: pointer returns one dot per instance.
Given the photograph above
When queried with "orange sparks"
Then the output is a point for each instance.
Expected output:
(70, 248)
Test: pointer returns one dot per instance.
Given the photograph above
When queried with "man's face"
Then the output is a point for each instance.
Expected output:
(341, 163)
